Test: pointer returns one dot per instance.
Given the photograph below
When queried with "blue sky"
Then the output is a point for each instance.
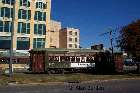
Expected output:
(94, 17)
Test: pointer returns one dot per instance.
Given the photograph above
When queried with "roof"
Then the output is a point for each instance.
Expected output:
(65, 50)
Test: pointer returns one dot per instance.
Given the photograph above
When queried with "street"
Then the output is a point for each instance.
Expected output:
(111, 86)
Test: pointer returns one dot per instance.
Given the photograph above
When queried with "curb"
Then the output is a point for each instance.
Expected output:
(73, 82)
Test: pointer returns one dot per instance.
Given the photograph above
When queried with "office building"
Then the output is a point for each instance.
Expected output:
(30, 22)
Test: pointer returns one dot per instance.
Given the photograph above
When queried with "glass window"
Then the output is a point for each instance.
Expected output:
(44, 6)
(44, 29)
(76, 40)
(25, 3)
(40, 29)
(28, 28)
(44, 16)
(23, 43)
(11, 26)
(8, 1)
(76, 46)
(39, 43)
(70, 32)
(5, 42)
(24, 14)
(76, 33)
(29, 14)
(6, 26)
(12, 1)
(24, 28)
(28, 4)
(20, 14)
(39, 5)
(40, 16)
(35, 28)
(2, 12)
(6, 12)
(1, 26)
(34, 43)
(70, 45)
(36, 15)
(19, 27)
(70, 39)
(11, 13)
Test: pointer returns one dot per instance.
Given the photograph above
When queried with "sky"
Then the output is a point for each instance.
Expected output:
(94, 17)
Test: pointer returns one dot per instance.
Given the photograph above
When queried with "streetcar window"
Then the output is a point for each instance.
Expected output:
(56, 58)
(67, 59)
(51, 58)
(62, 58)
(77, 59)
(72, 59)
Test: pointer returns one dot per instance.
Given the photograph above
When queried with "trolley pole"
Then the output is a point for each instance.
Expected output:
(11, 48)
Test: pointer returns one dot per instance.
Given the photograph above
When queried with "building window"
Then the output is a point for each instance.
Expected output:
(40, 29)
(76, 46)
(45, 5)
(8, 2)
(76, 40)
(6, 12)
(76, 33)
(8, 26)
(70, 32)
(70, 39)
(24, 28)
(23, 43)
(5, 26)
(1, 26)
(40, 16)
(25, 3)
(41, 5)
(5, 42)
(39, 43)
(24, 14)
(70, 45)
(28, 28)
(44, 16)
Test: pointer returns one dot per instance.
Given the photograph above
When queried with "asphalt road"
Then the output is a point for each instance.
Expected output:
(112, 86)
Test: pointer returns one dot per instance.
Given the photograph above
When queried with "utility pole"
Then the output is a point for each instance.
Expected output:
(111, 42)
(12, 40)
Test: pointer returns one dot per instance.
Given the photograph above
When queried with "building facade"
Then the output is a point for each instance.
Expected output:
(69, 38)
(29, 22)
(55, 27)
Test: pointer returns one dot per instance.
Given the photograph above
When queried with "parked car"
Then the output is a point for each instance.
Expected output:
(129, 65)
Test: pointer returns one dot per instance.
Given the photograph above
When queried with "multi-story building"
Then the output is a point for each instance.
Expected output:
(55, 27)
(30, 22)
(69, 38)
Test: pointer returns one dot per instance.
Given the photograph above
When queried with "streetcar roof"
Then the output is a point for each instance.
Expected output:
(64, 50)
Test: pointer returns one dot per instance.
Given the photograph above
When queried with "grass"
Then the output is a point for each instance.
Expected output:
(22, 78)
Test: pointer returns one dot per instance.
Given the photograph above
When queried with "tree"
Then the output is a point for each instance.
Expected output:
(129, 39)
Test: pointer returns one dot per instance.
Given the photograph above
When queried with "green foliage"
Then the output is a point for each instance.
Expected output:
(129, 39)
